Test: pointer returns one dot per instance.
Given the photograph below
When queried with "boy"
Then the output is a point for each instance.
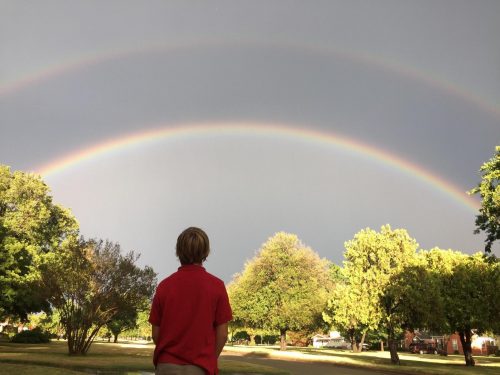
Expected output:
(190, 312)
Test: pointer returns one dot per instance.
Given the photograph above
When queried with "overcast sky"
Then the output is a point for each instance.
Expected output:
(416, 79)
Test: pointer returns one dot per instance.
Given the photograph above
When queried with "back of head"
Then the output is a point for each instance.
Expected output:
(192, 246)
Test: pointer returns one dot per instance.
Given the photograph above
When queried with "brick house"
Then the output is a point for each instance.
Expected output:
(481, 345)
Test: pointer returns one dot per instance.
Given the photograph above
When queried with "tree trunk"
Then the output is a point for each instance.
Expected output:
(357, 346)
(381, 345)
(466, 340)
(393, 348)
(282, 339)
(116, 338)
(352, 337)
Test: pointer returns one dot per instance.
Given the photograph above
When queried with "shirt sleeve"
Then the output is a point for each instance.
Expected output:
(155, 313)
(223, 314)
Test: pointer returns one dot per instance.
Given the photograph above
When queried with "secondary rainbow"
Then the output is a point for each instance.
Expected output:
(357, 57)
(273, 130)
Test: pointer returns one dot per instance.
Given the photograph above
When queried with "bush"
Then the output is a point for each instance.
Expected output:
(299, 338)
(35, 336)
(270, 339)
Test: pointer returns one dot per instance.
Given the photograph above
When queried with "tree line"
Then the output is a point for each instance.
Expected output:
(387, 285)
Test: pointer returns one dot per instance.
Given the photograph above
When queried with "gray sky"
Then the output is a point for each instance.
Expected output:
(417, 79)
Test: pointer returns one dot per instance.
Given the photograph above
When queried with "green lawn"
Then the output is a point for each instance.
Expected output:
(105, 358)
(410, 363)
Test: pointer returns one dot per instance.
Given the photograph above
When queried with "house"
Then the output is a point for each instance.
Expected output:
(481, 345)
(333, 340)
(450, 344)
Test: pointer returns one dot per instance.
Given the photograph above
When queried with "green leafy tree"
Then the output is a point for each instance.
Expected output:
(127, 318)
(284, 287)
(412, 301)
(88, 282)
(469, 289)
(48, 322)
(123, 320)
(488, 219)
(31, 226)
(350, 311)
(372, 260)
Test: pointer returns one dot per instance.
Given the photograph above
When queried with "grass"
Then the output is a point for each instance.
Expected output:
(410, 363)
(102, 358)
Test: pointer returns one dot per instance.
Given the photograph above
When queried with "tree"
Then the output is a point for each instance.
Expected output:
(350, 312)
(89, 281)
(284, 287)
(31, 226)
(412, 301)
(488, 219)
(469, 287)
(125, 319)
(372, 260)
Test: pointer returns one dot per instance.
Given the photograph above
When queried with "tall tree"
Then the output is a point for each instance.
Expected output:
(411, 300)
(469, 286)
(372, 259)
(352, 312)
(488, 219)
(31, 226)
(284, 287)
(88, 282)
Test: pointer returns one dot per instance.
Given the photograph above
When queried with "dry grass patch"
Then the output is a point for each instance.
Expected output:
(103, 357)
(380, 361)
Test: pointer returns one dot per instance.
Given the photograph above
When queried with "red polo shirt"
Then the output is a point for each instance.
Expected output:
(187, 307)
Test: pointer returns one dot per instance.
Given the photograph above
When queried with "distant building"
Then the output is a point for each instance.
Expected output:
(333, 340)
(451, 344)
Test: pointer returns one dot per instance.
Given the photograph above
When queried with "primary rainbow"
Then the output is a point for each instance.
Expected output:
(263, 129)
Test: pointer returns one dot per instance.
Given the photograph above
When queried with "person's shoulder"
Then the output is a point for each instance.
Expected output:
(214, 279)
(167, 280)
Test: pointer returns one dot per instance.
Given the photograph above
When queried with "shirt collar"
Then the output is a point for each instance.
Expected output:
(191, 267)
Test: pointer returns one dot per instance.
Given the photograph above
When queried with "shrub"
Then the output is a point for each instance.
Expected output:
(270, 339)
(299, 338)
(35, 336)
(241, 335)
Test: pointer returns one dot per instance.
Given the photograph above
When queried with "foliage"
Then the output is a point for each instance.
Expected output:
(47, 322)
(466, 294)
(470, 293)
(372, 261)
(31, 226)
(270, 339)
(488, 219)
(35, 336)
(126, 318)
(241, 335)
(411, 301)
(284, 287)
(142, 328)
(300, 338)
(89, 282)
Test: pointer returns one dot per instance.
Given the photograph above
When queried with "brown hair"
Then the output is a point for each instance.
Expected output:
(192, 246)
